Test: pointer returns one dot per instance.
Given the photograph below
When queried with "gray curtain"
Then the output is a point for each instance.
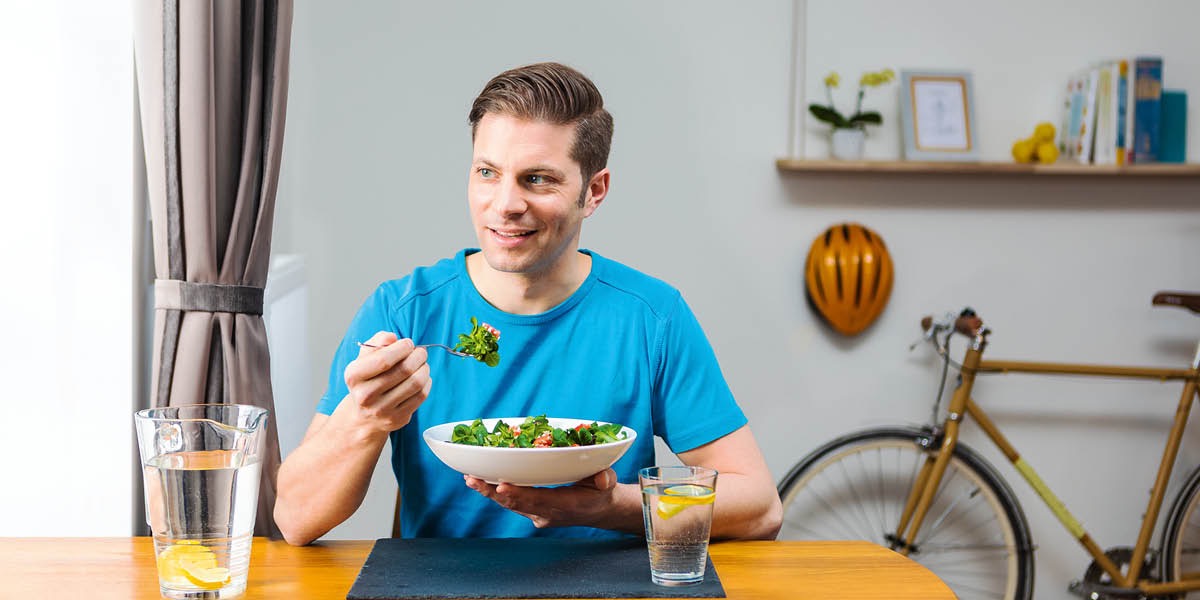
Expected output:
(212, 84)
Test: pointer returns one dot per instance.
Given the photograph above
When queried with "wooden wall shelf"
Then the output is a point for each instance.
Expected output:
(799, 165)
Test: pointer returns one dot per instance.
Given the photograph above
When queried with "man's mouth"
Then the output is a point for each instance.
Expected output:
(513, 233)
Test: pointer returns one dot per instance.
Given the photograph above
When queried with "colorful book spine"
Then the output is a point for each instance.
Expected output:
(1147, 110)
(1087, 124)
(1122, 98)
(1105, 142)
(1072, 117)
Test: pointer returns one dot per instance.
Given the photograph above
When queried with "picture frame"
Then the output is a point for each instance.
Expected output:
(937, 112)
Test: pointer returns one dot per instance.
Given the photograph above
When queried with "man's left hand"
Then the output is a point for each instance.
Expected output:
(590, 502)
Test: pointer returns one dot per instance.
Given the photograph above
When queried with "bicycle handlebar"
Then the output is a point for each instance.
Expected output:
(969, 325)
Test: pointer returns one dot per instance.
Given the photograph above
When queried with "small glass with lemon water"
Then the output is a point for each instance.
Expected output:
(677, 506)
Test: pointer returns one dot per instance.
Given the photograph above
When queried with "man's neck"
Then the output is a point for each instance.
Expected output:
(528, 294)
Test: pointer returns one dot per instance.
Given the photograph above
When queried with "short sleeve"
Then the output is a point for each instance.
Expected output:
(373, 316)
(692, 402)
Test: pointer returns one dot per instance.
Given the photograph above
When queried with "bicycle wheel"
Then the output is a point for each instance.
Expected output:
(974, 537)
(1181, 535)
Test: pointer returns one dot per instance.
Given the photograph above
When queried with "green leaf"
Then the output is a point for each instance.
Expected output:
(828, 115)
(479, 343)
(866, 118)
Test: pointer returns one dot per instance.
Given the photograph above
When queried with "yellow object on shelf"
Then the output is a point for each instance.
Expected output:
(1044, 132)
(1022, 151)
(1047, 152)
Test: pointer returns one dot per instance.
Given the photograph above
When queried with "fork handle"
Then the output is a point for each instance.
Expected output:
(365, 345)
(443, 346)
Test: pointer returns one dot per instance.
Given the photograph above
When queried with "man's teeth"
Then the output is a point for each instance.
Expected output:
(520, 234)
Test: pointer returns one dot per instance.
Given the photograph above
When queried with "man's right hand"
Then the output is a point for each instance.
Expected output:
(325, 479)
(387, 384)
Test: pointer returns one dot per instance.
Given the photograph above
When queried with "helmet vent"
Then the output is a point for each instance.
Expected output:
(858, 283)
(816, 279)
(840, 263)
(877, 278)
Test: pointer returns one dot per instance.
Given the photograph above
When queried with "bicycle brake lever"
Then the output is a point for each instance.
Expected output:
(946, 323)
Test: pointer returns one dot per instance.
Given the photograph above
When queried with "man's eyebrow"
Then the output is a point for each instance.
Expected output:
(555, 171)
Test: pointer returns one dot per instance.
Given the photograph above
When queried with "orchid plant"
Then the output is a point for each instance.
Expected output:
(858, 119)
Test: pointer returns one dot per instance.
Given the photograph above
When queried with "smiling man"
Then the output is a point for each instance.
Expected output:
(583, 336)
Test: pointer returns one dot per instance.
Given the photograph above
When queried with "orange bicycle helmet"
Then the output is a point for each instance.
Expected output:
(848, 276)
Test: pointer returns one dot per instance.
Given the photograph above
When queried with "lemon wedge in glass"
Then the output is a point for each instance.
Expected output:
(190, 563)
(678, 497)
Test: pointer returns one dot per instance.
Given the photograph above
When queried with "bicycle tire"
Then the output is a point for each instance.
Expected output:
(1181, 534)
(975, 536)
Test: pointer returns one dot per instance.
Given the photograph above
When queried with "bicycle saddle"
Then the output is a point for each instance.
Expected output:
(1182, 299)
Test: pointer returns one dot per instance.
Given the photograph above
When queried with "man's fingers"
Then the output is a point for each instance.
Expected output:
(372, 362)
(379, 340)
(604, 480)
(394, 394)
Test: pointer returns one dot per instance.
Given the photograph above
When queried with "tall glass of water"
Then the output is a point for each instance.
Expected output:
(201, 465)
(677, 506)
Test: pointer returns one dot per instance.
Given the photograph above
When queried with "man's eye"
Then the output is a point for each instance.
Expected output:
(486, 173)
(537, 179)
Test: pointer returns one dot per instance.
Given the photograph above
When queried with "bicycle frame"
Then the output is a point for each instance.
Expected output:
(930, 475)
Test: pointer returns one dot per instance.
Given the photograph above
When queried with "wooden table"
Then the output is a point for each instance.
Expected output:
(124, 568)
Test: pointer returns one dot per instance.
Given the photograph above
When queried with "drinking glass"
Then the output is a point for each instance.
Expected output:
(201, 465)
(677, 506)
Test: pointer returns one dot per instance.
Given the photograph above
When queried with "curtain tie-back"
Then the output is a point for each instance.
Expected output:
(207, 297)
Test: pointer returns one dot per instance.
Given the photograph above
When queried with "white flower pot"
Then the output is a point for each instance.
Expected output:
(847, 144)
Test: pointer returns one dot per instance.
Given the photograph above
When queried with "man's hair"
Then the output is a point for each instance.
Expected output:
(557, 94)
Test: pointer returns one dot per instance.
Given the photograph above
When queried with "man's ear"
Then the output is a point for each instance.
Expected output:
(597, 189)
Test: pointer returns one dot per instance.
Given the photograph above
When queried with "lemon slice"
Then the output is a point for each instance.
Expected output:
(169, 570)
(679, 497)
(703, 494)
(202, 575)
(190, 563)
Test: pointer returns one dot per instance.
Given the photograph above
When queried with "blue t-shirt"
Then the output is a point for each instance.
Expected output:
(624, 348)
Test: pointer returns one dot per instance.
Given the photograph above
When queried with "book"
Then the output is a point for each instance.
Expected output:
(1123, 104)
(1072, 116)
(1147, 108)
(1087, 116)
(1173, 135)
(1104, 142)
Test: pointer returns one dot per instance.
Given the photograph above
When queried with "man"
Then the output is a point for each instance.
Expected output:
(582, 336)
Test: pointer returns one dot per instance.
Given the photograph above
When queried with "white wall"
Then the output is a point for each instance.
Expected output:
(375, 167)
(66, 262)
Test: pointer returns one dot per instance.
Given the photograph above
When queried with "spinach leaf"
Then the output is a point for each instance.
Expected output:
(482, 342)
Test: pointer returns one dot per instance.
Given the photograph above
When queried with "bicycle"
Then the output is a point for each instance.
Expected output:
(920, 492)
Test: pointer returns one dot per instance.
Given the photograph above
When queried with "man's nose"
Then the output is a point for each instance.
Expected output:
(510, 197)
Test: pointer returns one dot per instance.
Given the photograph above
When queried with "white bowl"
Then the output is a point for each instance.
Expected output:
(525, 466)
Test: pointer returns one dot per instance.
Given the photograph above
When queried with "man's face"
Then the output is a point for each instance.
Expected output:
(525, 193)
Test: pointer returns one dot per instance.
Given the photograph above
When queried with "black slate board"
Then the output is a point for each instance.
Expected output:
(516, 568)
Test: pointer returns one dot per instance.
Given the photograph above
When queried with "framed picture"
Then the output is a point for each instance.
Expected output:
(937, 111)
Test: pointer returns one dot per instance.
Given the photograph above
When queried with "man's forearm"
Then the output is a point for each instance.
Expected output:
(325, 480)
(742, 511)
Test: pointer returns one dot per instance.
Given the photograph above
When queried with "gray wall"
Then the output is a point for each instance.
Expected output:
(374, 178)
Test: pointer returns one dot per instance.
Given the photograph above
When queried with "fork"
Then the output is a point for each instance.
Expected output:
(442, 346)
